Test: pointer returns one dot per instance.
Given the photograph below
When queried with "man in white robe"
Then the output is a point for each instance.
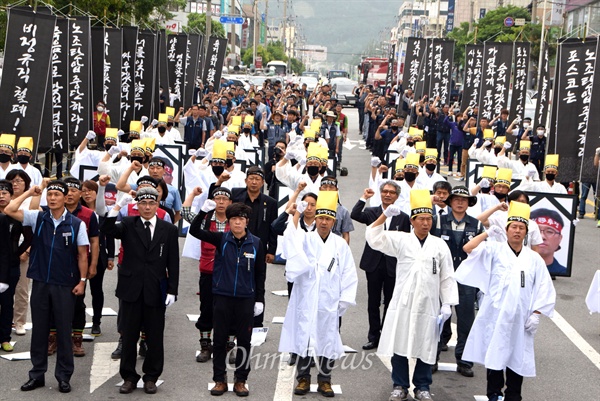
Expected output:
(325, 281)
(517, 289)
(424, 279)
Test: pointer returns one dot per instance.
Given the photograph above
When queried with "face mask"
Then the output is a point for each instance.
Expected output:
(323, 169)
(421, 158)
(4, 158)
(497, 150)
(410, 177)
(410, 144)
(524, 158)
(312, 170)
(486, 190)
(218, 170)
(247, 130)
(100, 109)
(525, 125)
(430, 167)
(24, 159)
(394, 129)
(399, 178)
(499, 196)
(550, 177)
(136, 158)
(229, 162)
(162, 130)
(107, 146)
(540, 133)
(146, 159)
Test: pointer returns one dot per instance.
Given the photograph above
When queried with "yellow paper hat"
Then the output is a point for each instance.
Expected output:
(8, 141)
(412, 161)
(25, 143)
(421, 146)
(551, 162)
(324, 155)
(313, 152)
(249, 120)
(488, 134)
(234, 128)
(150, 144)
(136, 126)
(316, 125)
(230, 147)
(327, 202)
(236, 120)
(112, 134)
(525, 145)
(414, 132)
(170, 111)
(400, 164)
(431, 153)
(420, 202)
(518, 211)
(489, 172)
(499, 141)
(163, 118)
(504, 176)
(138, 144)
(219, 153)
(309, 133)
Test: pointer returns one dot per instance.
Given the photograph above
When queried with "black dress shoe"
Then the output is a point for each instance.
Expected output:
(64, 386)
(370, 345)
(293, 359)
(444, 347)
(465, 370)
(150, 387)
(32, 384)
(127, 387)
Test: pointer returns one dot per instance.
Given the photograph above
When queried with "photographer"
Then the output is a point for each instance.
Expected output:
(272, 182)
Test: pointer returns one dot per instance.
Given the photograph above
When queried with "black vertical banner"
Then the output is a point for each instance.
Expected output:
(413, 62)
(441, 69)
(201, 59)
(215, 57)
(97, 39)
(111, 73)
(27, 54)
(541, 107)
(519, 87)
(130, 34)
(473, 74)
(554, 110)
(144, 74)
(576, 64)
(191, 68)
(495, 83)
(176, 55)
(79, 79)
(591, 142)
(162, 76)
(422, 87)
(391, 69)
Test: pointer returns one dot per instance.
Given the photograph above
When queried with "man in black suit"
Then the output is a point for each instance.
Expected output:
(380, 268)
(264, 212)
(147, 283)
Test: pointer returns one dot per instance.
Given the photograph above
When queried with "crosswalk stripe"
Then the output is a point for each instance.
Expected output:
(576, 339)
(284, 388)
(103, 367)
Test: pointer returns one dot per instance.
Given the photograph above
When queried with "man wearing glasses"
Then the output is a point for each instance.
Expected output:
(551, 224)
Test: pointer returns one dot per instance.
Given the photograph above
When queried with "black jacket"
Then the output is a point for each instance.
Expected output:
(371, 258)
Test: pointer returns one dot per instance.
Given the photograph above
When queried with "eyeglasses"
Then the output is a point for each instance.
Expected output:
(549, 232)
(147, 203)
(18, 181)
(389, 192)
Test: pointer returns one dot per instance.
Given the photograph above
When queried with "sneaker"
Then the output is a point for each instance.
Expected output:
(96, 330)
(303, 386)
(116, 354)
(20, 330)
(7, 347)
(143, 348)
(325, 389)
(423, 395)
(465, 370)
(398, 394)
(581, 215)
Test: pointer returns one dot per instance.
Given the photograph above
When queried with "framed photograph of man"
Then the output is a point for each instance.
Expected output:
(475, 170)
(554, 214)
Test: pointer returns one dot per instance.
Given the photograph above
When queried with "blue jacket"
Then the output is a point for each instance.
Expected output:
(53, 258)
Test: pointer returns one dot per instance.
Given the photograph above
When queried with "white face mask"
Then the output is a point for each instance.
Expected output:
(100, 109)
(525, 125)
(540, 132)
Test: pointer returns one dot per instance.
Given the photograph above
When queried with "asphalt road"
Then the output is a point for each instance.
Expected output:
(567, 350)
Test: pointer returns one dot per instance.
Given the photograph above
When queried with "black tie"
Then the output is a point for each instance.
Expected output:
(148, 232)
(441, 211)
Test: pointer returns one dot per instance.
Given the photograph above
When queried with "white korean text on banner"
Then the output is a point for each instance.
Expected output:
(422, 87)
(519, 87)
(191, 69)
(176, 56)
(162, 77)
(541, 107)
(80, 112)
(144, 74)
(441, 69)
(215, 57)
(495, 82)
(589, 173)
(413, 62)
(473, 74)
(130, 35)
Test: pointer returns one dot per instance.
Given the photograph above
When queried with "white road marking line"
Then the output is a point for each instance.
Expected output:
(481, 398)
(105, 312)
(576, 339)
(284, 389)
(103, 367)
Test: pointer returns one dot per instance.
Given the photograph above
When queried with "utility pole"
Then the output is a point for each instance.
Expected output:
(541, 45)
(437, 20)
(285, 35)
(472, 19)
(208, 24)
(254, 24)
(232, 40)
(267, 22)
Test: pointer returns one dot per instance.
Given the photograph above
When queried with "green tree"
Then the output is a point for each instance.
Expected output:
(198, 22)
(296, 66)
(276, 50)
(260, 51)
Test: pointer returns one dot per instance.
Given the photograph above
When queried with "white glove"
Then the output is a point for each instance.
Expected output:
(575, 222)
(90, 135)
(342, 308)
(170, 300)
(154, 122)
(446, 312)
(598, 151)
(302, 162)
(192, 152)
(217, 135)
(208, 156)
(3, 287)
(126, 200)
(404, 153)
(301, 206)
(259, 307)
(201, 152)
(120, 132)
(476, 141)
(486, 144)
(144, 119)
(289, 155)
(208, 205)
(401, 134)
(496, 233)
(375, 161)
(392, 210)
(507, 145)
(531, 172)
(114, 150)
(532, 323)
(484, 183)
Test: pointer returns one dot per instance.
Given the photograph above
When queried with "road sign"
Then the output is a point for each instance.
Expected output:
(258, 62)
(509, 21)
(519, 21)
(231, 20)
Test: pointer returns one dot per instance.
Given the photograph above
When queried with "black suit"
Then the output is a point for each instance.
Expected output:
(148, 273)
(380, 268)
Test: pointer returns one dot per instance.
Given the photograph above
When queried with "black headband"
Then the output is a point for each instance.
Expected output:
(329, 182)
(221, 193)
(146, 196)
(73, 184)
(256, 172)
(57, 187)
(156, 162)
(147, 182)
